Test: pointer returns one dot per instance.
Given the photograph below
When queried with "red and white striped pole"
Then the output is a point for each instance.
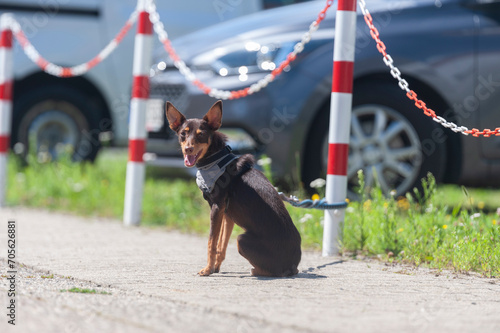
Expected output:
(5, 99)
(340, 122)
(137, 122)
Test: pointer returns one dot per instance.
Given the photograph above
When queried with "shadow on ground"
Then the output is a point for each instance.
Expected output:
(304, 274)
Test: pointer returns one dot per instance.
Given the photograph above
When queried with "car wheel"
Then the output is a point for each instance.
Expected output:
(53, 118)
(385, 142)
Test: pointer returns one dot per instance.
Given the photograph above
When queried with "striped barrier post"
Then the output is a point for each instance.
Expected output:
(134, 183)
(5, 99)
(340, 122)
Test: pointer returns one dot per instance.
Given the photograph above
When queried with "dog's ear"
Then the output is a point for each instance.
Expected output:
(175, 118)
(214, 116)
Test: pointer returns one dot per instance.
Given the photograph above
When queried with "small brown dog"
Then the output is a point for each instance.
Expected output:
(237, 193)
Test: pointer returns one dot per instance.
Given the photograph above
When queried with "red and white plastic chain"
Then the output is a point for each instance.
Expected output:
(403, 84)
(226, 94)
(81, 69)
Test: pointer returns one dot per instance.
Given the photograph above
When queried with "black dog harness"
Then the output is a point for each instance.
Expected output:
(215, 166)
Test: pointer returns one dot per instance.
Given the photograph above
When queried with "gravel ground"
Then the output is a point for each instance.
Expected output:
(145, 281)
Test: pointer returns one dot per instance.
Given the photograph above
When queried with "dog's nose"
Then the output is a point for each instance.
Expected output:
(188, 150)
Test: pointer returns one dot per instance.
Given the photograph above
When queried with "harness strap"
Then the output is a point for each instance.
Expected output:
(214, 157)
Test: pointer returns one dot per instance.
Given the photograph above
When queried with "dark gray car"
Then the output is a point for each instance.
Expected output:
(448, 51)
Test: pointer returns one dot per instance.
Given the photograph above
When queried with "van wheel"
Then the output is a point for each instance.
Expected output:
(52, 118)
(387, 132)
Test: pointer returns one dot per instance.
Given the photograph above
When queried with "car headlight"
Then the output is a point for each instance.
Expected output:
(252, 58)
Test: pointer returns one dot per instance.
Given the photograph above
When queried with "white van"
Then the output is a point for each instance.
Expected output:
(81, 111)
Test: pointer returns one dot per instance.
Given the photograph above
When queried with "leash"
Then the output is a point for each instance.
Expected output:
(292, 200)
(308, 203)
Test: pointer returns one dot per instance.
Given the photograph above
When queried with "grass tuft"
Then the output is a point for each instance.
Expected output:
(84, 291)
(415, 229)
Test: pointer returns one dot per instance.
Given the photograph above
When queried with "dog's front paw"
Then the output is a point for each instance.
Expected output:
(206, 271)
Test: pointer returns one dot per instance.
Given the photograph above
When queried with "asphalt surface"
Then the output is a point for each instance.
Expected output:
(145, 281)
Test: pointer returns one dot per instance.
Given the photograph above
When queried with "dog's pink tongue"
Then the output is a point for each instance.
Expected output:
(189, 160)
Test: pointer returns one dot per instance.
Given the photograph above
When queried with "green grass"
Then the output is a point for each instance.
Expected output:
(423, 229)
(84, 291)
(99, 189)
(445, 228)
(478, 199)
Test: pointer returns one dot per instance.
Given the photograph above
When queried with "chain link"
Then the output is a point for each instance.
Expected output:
(77, 70)
(403, 84)
(159, 28)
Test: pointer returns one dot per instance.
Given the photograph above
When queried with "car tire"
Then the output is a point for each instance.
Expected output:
(387, 132)
(54, 117)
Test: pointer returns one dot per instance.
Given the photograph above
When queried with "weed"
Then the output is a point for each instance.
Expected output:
(415, 229)
(84, 291)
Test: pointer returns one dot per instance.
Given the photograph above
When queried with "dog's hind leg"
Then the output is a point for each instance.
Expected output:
(258, 254)
(225, 235)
